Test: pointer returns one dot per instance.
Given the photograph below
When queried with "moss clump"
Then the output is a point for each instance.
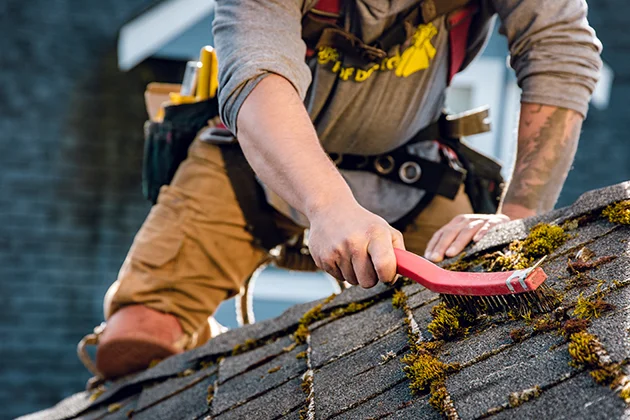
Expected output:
(518, 335)
(624, 393)
(303, 413)
(586, 308)
(290, 347)
(448, 322)
(210, 395)
(306, 384)
(584, 349)
(185, 373)
(571, 224)
(573, 326)
(546, 323)
(439, 395)
(301, 355)
(248, 345)
(399, 299)
(316, 314)
(97, 393)
(580, 221)
(427, 372)
(274, 369)
(300, 334)
(618, 212)
(312, 315)
(351, 308)
(513, 259)
(587, 351)
(423, 369)
(543, 239)
(112, 408)
(608, 374)
(517, 398)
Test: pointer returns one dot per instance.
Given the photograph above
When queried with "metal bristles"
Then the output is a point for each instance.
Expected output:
(543, 299)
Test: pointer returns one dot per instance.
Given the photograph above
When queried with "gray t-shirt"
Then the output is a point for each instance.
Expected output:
(376, 108)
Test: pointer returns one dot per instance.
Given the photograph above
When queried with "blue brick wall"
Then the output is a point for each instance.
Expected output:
(604, 152)
(70, 159)
(70, 153)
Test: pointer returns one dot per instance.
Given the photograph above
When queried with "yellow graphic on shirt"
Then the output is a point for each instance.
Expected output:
(416, 57)
(419, 55)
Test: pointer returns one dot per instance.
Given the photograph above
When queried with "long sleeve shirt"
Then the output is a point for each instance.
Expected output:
(554, 52)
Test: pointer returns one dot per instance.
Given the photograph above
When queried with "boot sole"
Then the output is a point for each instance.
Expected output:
(123, 356)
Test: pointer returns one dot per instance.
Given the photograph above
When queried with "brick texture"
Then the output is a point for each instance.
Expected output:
(604, 152)
(70, 159)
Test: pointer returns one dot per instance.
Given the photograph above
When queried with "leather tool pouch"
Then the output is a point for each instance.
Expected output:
(484, 182)
(166, 142)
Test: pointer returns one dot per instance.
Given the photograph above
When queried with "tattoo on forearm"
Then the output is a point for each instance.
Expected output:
(548, 138)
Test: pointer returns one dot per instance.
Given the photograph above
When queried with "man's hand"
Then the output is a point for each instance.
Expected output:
(352, 244)
(453, 237)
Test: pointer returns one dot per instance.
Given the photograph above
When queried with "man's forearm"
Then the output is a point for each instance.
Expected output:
(547, 140)
(281, 144)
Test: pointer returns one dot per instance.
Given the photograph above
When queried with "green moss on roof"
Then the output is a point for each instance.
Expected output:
(399, 299)
(517, 398)
(542, 240)
(448, 322)
(518, 335)
(546, 323)
(591, 307)
(618, 212)
(248, 345)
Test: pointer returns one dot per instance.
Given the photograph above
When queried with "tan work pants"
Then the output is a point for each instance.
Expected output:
(193, 250)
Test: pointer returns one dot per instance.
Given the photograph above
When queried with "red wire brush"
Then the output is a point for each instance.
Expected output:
(518, 290)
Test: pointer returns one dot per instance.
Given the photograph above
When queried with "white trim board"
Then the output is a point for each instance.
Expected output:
(146, 34)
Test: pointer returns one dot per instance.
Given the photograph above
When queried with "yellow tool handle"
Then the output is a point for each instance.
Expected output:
(214, 75)
(205, 72)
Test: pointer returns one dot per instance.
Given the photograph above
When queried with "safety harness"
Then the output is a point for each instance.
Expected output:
(321, 28)
(168, 142)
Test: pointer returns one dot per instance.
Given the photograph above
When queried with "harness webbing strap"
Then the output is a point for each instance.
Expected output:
(433, 177)
(251, 198)
(432, 9)
(459, 22)
(320, 28)
(328, 7)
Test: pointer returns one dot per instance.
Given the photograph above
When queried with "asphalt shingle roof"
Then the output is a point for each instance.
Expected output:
(351, 363)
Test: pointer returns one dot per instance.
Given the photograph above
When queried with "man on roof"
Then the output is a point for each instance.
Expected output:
(338, 108)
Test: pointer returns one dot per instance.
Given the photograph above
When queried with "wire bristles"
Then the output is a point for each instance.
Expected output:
(543, 299)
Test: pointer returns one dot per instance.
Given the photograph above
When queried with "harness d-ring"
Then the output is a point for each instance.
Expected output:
(410, 172)
(384, 164)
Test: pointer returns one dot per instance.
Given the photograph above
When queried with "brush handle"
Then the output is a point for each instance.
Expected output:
(443, 281)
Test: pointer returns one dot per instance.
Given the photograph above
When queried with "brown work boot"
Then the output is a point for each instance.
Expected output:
(134, 337)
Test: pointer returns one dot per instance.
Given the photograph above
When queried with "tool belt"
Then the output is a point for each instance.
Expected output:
(167, 143)
(480, 174)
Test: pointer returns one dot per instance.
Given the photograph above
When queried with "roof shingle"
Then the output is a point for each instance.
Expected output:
(356, 360)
